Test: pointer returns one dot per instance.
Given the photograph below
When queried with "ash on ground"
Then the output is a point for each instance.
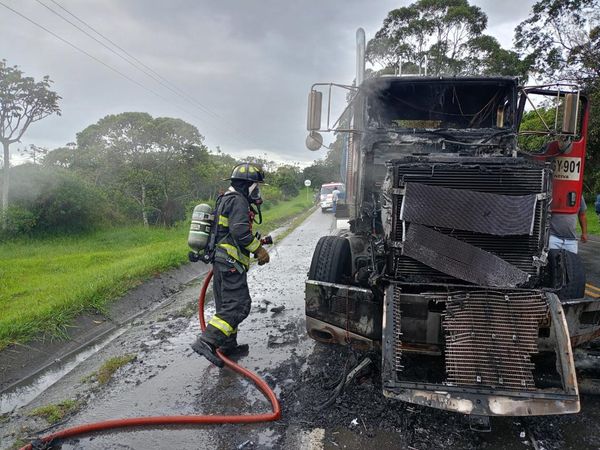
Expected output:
(305, 384)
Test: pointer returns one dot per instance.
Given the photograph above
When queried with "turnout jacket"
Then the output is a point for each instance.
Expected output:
(234, 238)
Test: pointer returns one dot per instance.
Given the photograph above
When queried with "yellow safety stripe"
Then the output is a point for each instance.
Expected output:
(252, 246)
(235, 254)
(223, 326)
(224, 221)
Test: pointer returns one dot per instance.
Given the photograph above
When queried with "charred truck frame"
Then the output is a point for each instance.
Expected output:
(446, 267)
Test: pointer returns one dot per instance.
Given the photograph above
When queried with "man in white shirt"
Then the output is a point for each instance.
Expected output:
(563, 229)
(335, 195)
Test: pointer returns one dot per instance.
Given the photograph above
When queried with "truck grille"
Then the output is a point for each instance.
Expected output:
(397, 331)
(490, 337)
(507, 176)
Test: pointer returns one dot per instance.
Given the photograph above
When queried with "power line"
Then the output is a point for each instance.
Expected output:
(144, 68)
(108, 66)
(148, 71)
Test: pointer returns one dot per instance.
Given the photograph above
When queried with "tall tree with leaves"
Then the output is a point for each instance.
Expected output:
(23, 101)
(145, 159)
(436, 33)
(563, 38)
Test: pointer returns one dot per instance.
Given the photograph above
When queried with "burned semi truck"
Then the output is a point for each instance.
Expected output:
(445, 268)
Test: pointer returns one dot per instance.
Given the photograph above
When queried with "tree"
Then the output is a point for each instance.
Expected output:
(486, 57)
(146, 159)
(563, 39)
(35, 153)
(287, 179)
(432, 33)
(23, 101)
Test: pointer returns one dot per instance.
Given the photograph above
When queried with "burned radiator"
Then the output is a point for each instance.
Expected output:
(514, 181)
(397, 334)
(490, 336)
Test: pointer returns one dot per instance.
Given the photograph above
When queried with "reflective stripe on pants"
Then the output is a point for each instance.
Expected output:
(232, 301)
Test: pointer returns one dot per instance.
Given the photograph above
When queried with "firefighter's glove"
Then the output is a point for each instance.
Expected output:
(262, 255)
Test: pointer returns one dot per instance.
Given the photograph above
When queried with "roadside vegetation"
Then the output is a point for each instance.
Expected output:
(110, 366)
(56, 412)
(592, 219)
(83, 223)
(45, 282)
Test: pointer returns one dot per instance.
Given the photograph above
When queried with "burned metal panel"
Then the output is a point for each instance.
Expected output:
(491, 336)
(463, 209)
(583, 321)
(563, 348)
(488, 403)
(330, 334)
(477, 398)
(459, 259)
(503, 176)
(351, 308)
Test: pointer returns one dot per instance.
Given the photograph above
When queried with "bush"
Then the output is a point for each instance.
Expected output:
(18, 221)
(71, 206)
(53, 201)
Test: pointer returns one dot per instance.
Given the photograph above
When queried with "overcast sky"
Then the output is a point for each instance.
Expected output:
(247, 65)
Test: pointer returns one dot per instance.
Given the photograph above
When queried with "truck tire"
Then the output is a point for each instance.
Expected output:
(566, 269)
(575, 283)
(331, 261)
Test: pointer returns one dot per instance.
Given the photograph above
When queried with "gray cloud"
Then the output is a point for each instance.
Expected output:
(250, 62)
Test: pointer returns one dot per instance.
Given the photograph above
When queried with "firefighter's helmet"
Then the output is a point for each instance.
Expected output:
(248, 172)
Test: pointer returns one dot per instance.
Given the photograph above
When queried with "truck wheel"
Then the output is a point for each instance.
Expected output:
(575, 283)
(566, 267)
(331, 261)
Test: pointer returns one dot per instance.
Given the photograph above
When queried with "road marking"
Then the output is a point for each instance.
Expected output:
(592, 287)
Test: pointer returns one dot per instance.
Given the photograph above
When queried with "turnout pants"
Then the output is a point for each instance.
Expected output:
(232, 301)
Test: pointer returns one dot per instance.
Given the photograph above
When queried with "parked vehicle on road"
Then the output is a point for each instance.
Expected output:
(326, 196)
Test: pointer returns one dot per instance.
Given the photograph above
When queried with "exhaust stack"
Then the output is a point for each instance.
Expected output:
(360, 56)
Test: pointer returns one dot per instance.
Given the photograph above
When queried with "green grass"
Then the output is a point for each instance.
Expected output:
(110, 366)
(592, 220)
(56, 412)
(44, 283)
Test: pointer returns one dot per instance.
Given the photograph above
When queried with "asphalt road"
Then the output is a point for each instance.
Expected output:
(167, 378)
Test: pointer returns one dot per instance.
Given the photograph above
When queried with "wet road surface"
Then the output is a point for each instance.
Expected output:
(167, 378)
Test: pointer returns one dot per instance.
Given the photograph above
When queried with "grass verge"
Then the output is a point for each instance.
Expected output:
(56, 412)
(104, 374)
(592, 220)
(45, 283)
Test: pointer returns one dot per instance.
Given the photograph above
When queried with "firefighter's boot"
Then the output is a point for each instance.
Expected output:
(231, 348)
(235, 350)
(207, 350)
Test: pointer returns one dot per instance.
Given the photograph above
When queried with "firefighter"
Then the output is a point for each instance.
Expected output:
(233, 244)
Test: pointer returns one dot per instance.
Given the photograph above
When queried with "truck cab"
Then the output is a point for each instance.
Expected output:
(445, 269)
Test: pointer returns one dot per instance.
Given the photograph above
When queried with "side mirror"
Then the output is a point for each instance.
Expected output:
(569, 125)
(315, 101)
(314, 141)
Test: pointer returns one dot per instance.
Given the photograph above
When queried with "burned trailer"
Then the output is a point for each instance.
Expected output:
(445, 268)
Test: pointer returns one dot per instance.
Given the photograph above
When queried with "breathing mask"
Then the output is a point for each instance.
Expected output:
(255, 201)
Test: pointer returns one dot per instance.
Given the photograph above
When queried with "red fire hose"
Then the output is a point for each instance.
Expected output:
(178, 420)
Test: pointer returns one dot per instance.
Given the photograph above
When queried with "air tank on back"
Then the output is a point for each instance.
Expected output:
(202, 220)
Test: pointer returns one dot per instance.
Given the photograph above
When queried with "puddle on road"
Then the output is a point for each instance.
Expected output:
(21, 395)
